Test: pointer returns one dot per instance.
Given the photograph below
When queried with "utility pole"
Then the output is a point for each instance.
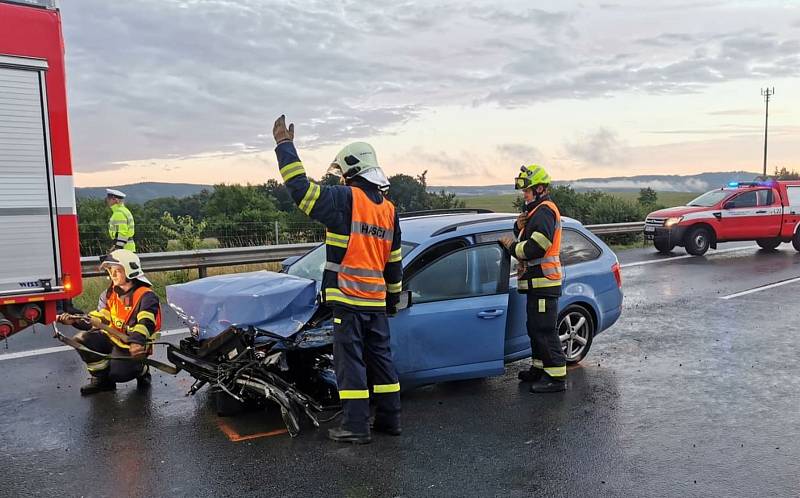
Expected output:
(766, 93)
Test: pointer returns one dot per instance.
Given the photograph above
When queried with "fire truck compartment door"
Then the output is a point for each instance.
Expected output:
(28, 234)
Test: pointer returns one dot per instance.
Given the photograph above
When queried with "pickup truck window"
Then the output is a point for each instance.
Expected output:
(765, 197)
(745, 200)
(709, 198)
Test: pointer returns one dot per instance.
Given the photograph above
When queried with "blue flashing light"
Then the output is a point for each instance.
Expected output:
(733, 184)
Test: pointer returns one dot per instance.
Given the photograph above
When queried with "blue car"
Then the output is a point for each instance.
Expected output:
(466, 318)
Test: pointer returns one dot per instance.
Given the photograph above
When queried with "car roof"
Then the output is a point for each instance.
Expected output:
(417, 229)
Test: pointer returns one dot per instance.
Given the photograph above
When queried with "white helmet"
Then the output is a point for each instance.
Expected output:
(359, 159)
(128, 261)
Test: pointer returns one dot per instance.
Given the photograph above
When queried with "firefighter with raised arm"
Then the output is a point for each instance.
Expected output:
(539, 275)
(121, 227)
(127, 320)
(362, 281)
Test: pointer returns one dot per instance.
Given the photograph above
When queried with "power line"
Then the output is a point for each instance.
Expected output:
(766, 93)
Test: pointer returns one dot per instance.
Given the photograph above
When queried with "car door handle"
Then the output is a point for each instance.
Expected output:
(489, 314)
(761, 212)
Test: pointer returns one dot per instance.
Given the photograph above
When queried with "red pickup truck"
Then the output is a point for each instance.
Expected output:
(767, 212)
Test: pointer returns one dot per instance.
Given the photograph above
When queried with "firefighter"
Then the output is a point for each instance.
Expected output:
(120, 225)
(537, 247)
(362, 280)
(127, 319)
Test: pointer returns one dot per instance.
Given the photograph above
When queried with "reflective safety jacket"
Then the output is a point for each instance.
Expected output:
(121, 227)
(537, 250)
(363, 270)
(136, 314)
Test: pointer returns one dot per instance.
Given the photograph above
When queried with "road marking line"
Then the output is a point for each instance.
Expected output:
(235, 437)
(58, 349)
(761, 288)
(687, 256)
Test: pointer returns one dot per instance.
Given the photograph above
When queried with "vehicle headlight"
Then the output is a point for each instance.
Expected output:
(672, 221)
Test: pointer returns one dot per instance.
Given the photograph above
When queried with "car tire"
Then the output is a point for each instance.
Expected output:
(768, 244)
(796, 240)
(576, 331)
(698, 240)
(663, 246)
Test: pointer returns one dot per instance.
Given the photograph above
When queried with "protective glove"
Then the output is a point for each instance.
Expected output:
(96, 322)
(391, 309)
(281, 132)
(521, 220)
(66, 319)
(137, 350)
(506, 242)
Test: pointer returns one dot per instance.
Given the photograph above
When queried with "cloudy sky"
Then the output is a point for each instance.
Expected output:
(187, 90)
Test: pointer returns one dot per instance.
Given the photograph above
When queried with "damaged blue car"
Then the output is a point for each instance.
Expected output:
(265, 335)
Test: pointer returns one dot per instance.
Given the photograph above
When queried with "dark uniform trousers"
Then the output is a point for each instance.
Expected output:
(543, 330)
(363, 358)
(113, 370)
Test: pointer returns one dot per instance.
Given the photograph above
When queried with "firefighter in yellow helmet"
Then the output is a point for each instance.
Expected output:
(539, 275)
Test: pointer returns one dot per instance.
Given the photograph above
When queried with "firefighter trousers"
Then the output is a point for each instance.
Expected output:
(112, 370)
(543, 331)
(364, 369)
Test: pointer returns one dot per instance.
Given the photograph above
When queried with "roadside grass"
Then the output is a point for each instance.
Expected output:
(93, 286)
(504, 202)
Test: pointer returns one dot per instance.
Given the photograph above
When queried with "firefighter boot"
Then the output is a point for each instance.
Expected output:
(98, 384)
(342, 435)
(547, 384)
(531, 375)
(386, 426)
(144, 380)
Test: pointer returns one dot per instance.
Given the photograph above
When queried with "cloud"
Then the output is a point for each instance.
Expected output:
(176, 78)
(598, 147)
(521, 153)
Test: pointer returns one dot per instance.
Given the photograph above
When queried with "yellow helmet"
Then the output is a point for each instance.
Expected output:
(530, 176)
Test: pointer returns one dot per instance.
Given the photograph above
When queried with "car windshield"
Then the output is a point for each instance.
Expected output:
(709, 198)
(313, 264)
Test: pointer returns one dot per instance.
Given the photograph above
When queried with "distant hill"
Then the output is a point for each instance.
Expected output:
(662, 183)
(143, 192)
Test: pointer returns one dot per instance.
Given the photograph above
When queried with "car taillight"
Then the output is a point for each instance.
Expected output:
(617, 274)
(32, 313)
(66, 280)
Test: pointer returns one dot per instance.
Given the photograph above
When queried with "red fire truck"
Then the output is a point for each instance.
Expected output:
(767, 212)
(39, 251)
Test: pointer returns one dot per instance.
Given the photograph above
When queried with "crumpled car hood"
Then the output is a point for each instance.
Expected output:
(274, 302)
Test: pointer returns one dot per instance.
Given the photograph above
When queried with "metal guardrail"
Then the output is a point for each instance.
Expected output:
(202, 259)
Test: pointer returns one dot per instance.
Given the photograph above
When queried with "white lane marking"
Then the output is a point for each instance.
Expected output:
(58, 349)
(687, 256)
(762, 288)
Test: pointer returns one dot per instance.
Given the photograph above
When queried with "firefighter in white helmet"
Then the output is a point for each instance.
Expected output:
(362, 281)
(127, 320)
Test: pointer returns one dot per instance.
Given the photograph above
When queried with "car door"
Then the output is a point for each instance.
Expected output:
(739, 216)
(455, 327)
(769, 214)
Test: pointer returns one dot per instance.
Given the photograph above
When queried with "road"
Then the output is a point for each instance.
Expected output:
(694, 392)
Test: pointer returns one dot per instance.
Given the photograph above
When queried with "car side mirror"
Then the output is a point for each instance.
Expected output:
(405, 300)
(288, 262)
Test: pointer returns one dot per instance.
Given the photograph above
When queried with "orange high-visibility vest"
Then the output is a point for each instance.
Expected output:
(371, 233)
(119, 314)
(550, 263)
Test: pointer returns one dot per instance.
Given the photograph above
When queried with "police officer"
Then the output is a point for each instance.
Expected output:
(127, 319)
(362, 279)
(537, 247)
(120, 225)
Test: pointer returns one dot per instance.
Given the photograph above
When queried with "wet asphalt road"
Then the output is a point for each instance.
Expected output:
(687, 395)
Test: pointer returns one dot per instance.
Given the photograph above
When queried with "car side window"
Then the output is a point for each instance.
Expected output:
(576, 248)
(746, 200)
(432, 254)
(765, 197)
(469, 272)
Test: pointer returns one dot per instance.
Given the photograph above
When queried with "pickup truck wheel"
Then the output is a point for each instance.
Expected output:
(575, 330)
(768, 244)
(663, 246)
(698, 240)
(796, 240)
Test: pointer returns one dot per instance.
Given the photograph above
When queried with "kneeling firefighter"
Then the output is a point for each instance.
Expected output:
(127, 320)
(537, 248)
(362, 280)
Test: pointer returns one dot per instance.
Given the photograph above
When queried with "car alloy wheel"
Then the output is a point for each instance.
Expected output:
(575, 331)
